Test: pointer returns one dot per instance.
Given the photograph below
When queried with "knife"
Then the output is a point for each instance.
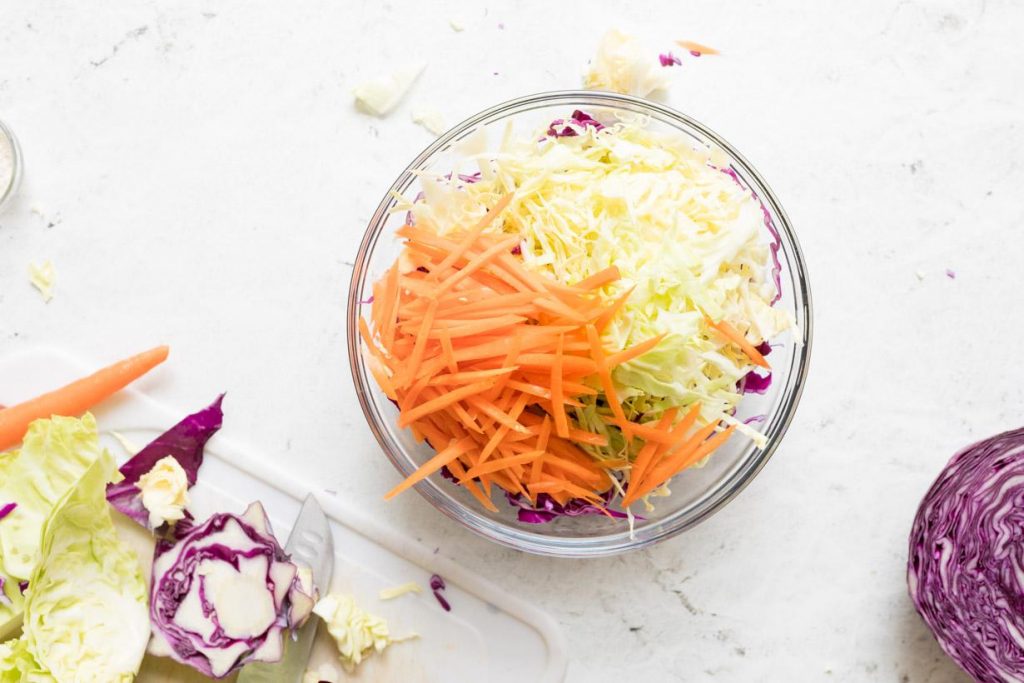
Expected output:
(310, 542)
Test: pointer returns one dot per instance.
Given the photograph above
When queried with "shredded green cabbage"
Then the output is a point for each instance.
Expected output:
(686, 238)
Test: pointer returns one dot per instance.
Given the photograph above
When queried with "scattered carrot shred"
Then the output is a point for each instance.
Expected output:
(697, 47)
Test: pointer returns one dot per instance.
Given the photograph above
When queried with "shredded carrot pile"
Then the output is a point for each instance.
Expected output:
(483, 358)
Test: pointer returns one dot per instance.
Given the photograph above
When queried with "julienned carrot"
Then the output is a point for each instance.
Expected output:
(697, 47)
(733, 335)
(648, 431)
(600, 278)
(646, 454)
(476, 263)
(503, 463)
(502, 432)
(444, 457)
(682, 460)
(597, 351)
(634, 351)
(456, 467)
(469, 376)
(472, 236)
(442, 401)
(483, 355)
(77, 397)
(561, 419)
(448, 352)
(457, 329)
(609, 314)
(676, 434)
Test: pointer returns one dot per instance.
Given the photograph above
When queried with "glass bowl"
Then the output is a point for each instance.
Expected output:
(695, 496)
(8, 189)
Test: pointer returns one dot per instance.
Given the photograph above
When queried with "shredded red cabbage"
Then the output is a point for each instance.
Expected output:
(669, 59)
(437, 584)
(753, 382)
(547, 508)
(184, 441)
(7, 509)
(571, 127)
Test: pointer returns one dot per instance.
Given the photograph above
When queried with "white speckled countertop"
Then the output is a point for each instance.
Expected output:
(197, 174)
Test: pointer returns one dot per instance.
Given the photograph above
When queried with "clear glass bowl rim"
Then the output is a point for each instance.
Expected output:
(6, 193)
(595, 546)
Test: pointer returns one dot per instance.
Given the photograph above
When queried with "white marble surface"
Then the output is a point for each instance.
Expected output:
(204, 181)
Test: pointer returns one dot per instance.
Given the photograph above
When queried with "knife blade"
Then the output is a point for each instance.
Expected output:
(310, 542)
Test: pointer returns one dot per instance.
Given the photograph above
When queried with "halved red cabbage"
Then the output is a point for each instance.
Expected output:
(224, 592)
(184, 441)
(966, 566)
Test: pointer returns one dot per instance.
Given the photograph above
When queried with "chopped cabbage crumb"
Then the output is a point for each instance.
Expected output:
(356, 632)
(164, 491)
(430, 119)
(379, 96)
(624, 65)
(43, 277)
(397, 591)
(325, 673)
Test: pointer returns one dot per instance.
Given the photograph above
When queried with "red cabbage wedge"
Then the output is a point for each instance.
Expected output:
(966, 566)
(224, 592)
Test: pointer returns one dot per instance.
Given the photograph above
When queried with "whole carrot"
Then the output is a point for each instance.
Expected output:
(77, 397)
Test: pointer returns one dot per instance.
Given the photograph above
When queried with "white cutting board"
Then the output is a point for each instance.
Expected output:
(488, 636)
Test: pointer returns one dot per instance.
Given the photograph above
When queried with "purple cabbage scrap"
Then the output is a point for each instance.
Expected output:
(7, 509)
(547, 508)
(570, 128)
(669, 59)
(438, 585)
(753, 382)
(184, 442)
